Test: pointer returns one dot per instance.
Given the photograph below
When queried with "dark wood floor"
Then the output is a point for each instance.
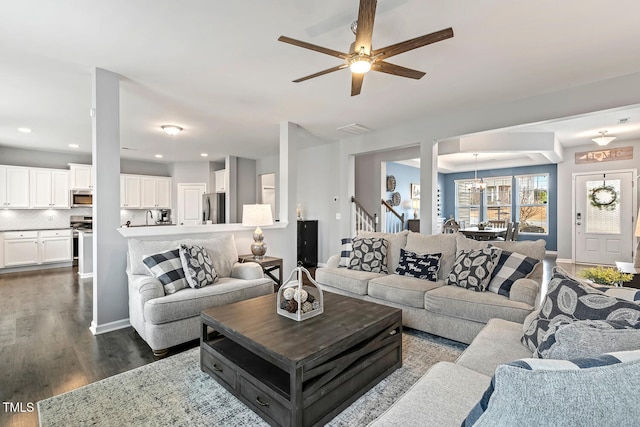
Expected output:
(46, 347)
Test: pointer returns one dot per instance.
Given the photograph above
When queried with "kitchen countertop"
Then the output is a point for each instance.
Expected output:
(152, 231)
(36, 229)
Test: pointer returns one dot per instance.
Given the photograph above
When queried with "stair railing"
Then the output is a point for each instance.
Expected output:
(393, 221)
(362, 219)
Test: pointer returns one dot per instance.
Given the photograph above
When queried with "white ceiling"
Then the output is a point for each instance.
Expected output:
(217, 69)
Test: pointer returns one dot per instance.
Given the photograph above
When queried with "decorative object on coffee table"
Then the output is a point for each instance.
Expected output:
(299, 302)
(257, 216)
(608, 276)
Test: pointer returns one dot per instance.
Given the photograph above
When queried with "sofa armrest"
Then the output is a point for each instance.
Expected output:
(144, 288)
(247, 271)
(333, 261)
(525, 290)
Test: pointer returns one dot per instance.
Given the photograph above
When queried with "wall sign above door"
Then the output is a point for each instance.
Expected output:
(608, 155)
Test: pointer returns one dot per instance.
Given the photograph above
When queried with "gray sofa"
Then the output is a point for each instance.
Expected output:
(163, 320)
(448, 311)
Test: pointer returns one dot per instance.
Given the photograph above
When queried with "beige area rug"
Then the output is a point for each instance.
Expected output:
(175, 392)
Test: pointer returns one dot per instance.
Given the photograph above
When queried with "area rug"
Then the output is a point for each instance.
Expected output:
(175, 392)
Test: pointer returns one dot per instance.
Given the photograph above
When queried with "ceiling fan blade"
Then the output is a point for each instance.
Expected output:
(396, 70)
(321, 73)
(366, 16)
(313, 47)
(356, 83)
(398, 48)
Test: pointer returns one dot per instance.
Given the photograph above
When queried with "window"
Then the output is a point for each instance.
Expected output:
(532, 210)
(467, 202)
(497, 202)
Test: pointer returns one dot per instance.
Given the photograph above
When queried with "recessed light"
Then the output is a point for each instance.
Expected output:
(159, 156)
(171, 129)
(74, 146)
(24, 130)
(203, 154)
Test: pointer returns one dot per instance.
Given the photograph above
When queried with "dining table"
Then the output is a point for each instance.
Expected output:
(488, 233)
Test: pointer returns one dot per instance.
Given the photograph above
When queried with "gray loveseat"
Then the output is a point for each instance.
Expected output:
(448, 311)
(163, 320)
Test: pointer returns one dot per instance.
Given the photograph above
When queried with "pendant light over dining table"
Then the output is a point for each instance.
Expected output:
(478, 184)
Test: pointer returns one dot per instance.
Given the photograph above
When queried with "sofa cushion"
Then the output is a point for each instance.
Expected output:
(531, 248)
(435, 243)
(497, 343)
(353, 281)
(567, 300)
(220, 247)
(472, 268)
(369, 254)
(403, 290)
(511, 267)
(197, 266)
(190, 302)
(345, 251)
(395, 242)
(589, 338)
(462, 303)
(167, 267)
(442, 397)
(586, 392)
(423, 267)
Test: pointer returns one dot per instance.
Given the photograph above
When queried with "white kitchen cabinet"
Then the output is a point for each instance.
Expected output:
(49, 188)
(156, 192)
(14, 187)
(81, 176)
(130, 192)
(220, 178)
(20, 248)
(55, 246)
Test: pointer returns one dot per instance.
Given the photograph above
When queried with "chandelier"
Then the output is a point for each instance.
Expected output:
(478, 184)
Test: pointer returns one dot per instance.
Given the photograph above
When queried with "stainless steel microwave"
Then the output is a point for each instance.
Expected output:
(81, 198)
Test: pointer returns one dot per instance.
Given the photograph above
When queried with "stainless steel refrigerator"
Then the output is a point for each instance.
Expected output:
(213, 208)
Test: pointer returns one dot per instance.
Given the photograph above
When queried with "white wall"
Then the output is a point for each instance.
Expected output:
(246, 193)
(565, 186)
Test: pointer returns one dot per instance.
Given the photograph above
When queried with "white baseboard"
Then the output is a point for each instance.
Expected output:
(85, 275)
(565, 260)
(108, 327)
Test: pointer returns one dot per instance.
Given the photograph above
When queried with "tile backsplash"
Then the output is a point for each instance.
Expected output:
(34, 219)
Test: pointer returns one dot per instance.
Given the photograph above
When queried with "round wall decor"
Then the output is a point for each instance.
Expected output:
(395, 199)
(391, 183)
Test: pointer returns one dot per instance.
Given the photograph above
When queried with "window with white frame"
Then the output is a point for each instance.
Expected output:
(497, 198)
(467, 202)
(532, 209)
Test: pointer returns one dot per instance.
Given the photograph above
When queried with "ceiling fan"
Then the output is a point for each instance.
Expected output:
(362, 57)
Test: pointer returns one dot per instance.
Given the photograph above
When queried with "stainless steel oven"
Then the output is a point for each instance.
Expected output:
(79, 222)
(81, 198)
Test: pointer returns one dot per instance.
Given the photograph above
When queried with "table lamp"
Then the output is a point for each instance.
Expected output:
(415, 203)
(257, 216)
(636, 262)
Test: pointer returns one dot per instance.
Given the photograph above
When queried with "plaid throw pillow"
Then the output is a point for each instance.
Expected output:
(345, 252)
(421, 266)
(511, 267)
(167, 268)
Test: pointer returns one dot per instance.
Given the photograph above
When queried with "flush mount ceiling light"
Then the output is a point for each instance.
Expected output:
(603, 140)
(171, 129)
(159, 156)
(74, 146)
(24, 130)
(203, 154)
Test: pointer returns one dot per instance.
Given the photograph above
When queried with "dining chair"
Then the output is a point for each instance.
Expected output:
(514, 234)
(509, 234)
(497, 223)
(450, 226)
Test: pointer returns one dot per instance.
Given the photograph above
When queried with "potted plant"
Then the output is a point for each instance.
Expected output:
(605, 276)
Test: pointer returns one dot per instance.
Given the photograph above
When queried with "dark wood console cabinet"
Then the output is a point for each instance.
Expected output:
(308, 243)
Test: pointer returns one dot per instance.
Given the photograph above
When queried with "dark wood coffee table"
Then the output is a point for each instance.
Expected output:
(300, 373)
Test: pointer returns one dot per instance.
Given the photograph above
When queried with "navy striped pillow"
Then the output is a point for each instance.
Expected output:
(345, 251)
(167, 268)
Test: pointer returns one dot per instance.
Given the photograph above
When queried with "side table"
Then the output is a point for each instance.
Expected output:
(627, 267)
(268, 264)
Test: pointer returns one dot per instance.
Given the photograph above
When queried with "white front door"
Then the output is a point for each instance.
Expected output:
(604, 218)
(190, 203)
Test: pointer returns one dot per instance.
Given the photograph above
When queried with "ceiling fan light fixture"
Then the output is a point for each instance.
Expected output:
(171, 129)
(603, 140)
(360, 65)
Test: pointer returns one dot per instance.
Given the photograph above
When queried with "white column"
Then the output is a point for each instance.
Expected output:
(110, 296)
(428, 186)
(288, 191)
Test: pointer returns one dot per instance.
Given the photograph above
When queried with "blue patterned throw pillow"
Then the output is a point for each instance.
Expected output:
(507, 399)
(197, 266)
(472, 268)
(369, 254)
(421, 266)
(167, 268)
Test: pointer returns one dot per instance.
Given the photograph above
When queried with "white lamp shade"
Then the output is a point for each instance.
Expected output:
(256, 215)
